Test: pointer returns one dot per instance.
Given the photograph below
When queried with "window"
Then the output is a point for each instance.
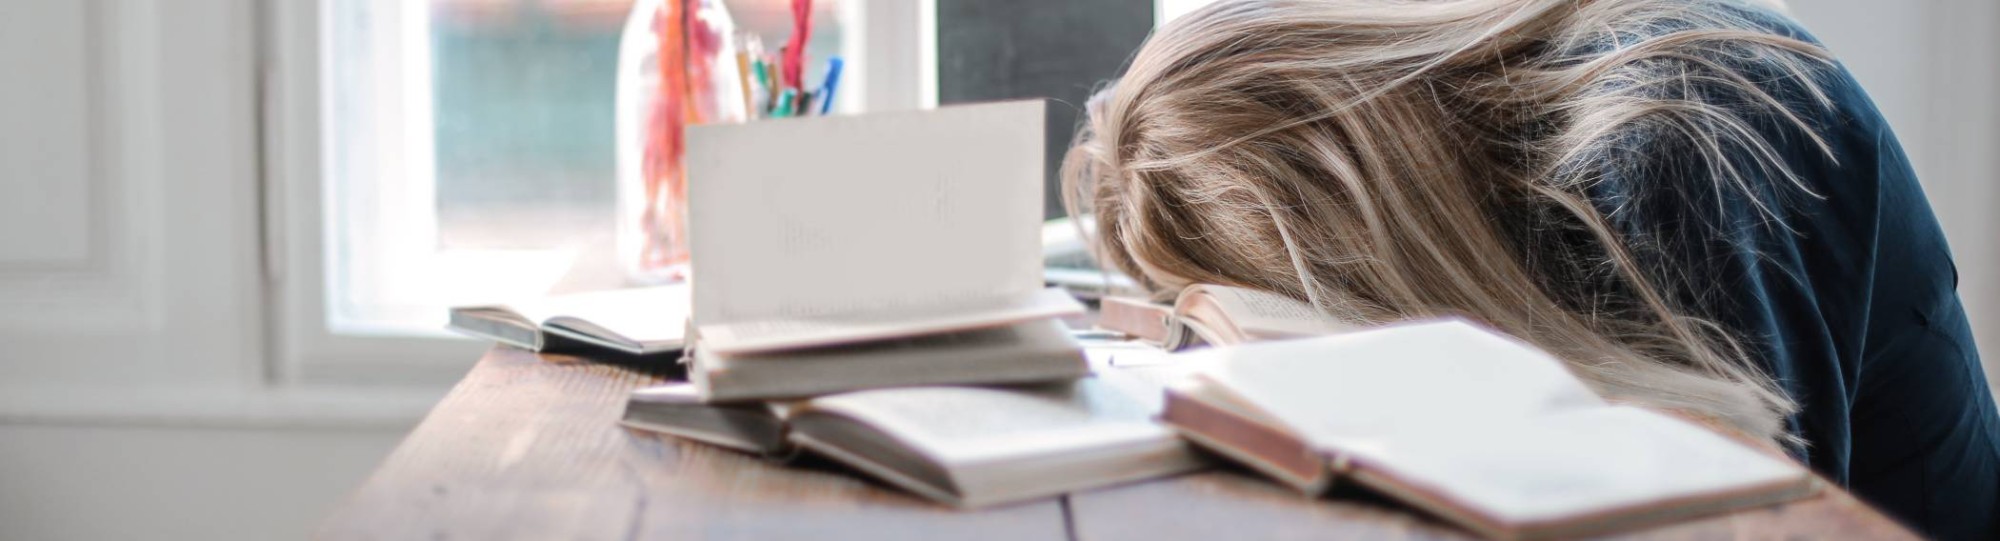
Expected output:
(445, 152)
(470, 150)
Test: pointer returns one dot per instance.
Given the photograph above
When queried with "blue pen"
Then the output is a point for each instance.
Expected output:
(826, 87)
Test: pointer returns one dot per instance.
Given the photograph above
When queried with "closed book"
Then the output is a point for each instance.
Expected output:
(983, 446)
(1034, 351)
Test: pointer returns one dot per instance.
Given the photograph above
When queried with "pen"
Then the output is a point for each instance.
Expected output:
(827, 87)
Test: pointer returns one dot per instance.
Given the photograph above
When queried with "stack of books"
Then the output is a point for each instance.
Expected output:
(875, 294)
(876, 297)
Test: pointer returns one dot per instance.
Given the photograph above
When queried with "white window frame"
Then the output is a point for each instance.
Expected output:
(317, 341)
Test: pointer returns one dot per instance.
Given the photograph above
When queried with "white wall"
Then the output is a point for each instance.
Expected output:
(136, 394)
(92, 482)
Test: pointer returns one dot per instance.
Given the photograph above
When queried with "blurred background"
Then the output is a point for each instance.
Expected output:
(230, 228)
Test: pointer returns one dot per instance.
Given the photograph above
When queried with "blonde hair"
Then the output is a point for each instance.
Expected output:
(1395, 159)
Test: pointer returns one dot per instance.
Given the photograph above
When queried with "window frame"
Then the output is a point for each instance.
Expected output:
(311, 340)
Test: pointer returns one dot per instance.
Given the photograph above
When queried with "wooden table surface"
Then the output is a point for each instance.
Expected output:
(527, 447)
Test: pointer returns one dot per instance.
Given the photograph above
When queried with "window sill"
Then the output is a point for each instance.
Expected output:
(220, 407)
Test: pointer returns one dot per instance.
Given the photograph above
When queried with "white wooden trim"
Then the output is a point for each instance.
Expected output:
(216, 406)
(311, 342)
(308, 350)
(899, 54)
(170, 289)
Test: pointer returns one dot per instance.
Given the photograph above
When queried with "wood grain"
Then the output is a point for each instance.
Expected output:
(527, 447)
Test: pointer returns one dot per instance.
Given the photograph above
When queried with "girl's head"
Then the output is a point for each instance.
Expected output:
(1394, 159)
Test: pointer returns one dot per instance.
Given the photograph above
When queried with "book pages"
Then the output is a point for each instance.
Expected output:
(963, 425)
(643, 315)
(1262, 314)
(875, 214)
(1577, 463)
(749, 337)
(1353, 390)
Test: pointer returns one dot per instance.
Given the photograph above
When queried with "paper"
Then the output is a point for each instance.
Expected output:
(1354, 390)
(833, 329)
(1262, 313)
(799, 220)
(1577, 463)
(965, 425)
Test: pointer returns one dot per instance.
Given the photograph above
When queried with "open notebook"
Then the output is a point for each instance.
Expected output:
(1472, 426)
(639, 321)
(1217, 315)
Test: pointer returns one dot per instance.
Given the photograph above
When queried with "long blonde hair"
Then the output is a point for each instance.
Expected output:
(1393, 159)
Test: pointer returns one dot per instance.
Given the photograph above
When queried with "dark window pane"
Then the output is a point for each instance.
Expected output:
(1058, 49)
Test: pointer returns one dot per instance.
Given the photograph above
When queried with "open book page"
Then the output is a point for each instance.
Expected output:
(1571, 464)
(1258, 315)
(804, 220)
(496, 323)
(1356, 389)
(642, 315)
(783, 333)
(962, 425)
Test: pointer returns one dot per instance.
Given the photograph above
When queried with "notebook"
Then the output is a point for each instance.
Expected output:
(820, 231)
(639, 321)
(1217, 315)
(1472, 426)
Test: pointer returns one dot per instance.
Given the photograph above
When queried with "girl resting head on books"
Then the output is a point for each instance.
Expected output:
(1689, 200)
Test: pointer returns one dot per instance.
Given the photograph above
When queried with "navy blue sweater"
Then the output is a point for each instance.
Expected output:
(1848, 299)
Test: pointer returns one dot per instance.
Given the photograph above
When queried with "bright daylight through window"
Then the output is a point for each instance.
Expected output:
(470, 150)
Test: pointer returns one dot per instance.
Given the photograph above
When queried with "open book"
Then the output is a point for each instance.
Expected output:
(677, 409)
(1472, 426)
(821, 231)
(1217, 315)
(891, 249)
(639, 321)
(964, 446)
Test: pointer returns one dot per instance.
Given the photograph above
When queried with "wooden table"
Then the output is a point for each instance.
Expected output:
(526, 447)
